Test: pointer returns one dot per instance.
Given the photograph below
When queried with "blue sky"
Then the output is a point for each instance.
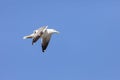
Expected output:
(87, 48)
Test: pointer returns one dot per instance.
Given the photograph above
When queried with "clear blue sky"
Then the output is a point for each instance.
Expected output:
(87, 48)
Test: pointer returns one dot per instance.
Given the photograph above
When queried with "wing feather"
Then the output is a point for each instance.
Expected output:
(45, 42)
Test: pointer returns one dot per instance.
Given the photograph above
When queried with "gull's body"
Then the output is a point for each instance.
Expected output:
(43, 33)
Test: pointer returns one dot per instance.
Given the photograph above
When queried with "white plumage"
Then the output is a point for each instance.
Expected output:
(43, 33)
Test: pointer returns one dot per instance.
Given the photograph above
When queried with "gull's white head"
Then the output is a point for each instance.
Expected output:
(35, 31)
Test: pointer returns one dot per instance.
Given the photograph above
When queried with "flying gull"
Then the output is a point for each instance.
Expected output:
(43, 33)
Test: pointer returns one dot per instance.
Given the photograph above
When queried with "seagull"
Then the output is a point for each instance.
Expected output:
(42, 33)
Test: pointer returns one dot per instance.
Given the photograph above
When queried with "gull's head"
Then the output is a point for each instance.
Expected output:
(35, 31)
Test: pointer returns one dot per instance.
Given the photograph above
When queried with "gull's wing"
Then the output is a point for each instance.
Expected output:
(38, 34)
(42, 28)
(45, 42)
(29, 36)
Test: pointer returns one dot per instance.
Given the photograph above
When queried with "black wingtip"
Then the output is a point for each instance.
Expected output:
(43, 51)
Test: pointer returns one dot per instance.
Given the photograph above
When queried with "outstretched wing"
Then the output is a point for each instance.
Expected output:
(38, 34)
(42, 28)
(45, 42)
(29, 36)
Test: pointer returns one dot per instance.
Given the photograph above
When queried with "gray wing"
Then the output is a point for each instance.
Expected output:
(38, 34)
(45, 42)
